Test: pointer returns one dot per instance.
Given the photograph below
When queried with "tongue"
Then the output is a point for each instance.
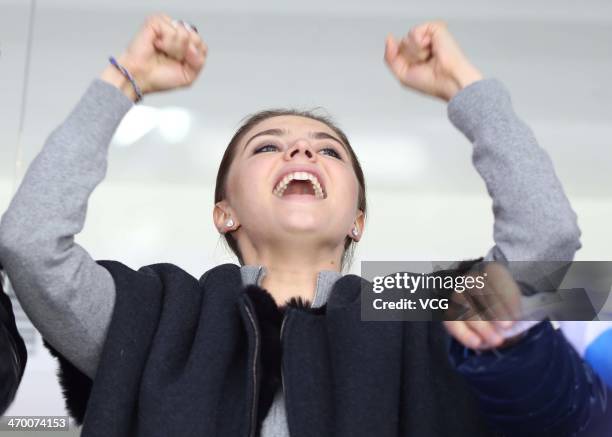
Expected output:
(299, 187)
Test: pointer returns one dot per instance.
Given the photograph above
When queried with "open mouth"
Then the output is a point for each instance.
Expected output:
(299, 183)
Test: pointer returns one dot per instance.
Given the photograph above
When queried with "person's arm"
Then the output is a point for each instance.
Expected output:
(534, 220)
(538, 386)
(539, 382)
(68, 297)
(66, 294)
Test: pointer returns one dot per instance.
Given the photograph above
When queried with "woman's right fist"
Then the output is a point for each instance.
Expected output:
(164, 55)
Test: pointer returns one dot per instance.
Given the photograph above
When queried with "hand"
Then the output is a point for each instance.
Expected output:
(497, 302)
(429, 60)
(164, 55)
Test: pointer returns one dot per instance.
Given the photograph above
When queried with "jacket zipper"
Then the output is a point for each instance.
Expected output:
(286, 316)
(255, 400)
(281, 344)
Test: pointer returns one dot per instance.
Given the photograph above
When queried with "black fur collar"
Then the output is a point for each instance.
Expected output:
(264, 302)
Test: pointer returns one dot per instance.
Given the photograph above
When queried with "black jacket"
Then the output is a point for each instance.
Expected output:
(13, 354)
(189, 357)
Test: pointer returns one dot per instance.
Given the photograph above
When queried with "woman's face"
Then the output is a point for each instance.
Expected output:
(292, 176)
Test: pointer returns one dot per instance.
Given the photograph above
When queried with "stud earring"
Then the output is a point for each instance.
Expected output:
(355, 232)
(229, 223)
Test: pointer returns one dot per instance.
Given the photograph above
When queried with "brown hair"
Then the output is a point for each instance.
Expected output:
(254, 119)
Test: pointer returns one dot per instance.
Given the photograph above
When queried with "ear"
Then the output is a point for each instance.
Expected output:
(359, 224)
(222, 213)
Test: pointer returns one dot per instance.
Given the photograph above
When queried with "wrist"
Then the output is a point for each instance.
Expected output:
(115, 77)
(463, 77)
(118, 80)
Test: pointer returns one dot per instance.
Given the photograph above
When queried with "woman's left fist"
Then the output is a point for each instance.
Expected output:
(429, 60)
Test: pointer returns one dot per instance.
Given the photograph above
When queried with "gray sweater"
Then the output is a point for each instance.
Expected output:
(70, 298)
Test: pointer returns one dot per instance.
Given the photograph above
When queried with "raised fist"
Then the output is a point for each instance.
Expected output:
(429, 60)
(165, 54)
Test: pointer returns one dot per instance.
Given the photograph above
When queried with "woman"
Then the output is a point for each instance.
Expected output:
(228, 354)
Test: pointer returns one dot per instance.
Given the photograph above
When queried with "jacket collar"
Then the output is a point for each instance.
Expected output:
(253, 275)
(333, 289)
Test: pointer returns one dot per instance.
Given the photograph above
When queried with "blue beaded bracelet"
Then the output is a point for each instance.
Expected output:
(128, 76)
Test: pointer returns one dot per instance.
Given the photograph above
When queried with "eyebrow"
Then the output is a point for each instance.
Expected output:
(281, 132)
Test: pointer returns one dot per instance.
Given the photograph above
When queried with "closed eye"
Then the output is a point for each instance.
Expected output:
(265, 148)
(326, 150)
(333, 153)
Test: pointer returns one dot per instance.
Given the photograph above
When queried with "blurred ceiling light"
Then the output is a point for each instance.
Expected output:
(139, 121)
(174, 124)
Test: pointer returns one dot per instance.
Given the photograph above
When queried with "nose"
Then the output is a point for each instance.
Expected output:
(300, 148)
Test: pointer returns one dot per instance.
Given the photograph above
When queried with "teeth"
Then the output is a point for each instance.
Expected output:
(300, 176)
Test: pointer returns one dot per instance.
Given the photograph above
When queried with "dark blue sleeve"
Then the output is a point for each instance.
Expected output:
(538, 386)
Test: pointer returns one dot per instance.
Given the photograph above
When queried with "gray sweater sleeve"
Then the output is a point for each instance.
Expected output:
(66, 294)
(70, 298)
(533, 218)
